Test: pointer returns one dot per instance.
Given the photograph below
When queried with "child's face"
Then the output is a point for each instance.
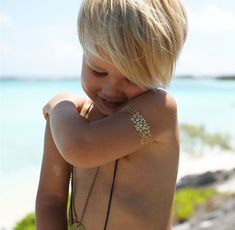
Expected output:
(106, 86)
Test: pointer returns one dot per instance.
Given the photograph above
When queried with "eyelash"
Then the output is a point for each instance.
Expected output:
(101, 74)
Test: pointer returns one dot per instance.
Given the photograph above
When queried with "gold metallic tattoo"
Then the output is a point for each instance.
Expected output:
(140, 124)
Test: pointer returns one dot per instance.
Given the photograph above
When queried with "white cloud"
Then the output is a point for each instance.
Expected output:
(209, 48)
(56, 57)
(212, 18)
(202, 61)
(5, 50)
(60, 52)
(5, 20)
(63, 52)
(51, 50)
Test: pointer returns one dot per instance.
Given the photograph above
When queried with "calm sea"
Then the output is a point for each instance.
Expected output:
(210, 103)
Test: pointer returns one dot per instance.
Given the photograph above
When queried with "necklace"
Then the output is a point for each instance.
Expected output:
(78, 225)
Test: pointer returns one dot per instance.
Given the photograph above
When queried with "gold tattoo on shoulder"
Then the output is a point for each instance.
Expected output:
(140, 124)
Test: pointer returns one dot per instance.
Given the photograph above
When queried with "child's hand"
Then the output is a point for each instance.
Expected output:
(65, 96)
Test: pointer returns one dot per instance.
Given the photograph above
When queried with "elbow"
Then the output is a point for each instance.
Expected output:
(79, 154)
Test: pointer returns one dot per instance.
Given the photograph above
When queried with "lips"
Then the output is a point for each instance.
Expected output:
(111, 103)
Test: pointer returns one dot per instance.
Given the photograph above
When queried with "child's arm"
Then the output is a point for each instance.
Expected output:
(89, 144)
(51, 201)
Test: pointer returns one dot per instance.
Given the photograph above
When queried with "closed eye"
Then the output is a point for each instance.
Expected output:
(99, 73)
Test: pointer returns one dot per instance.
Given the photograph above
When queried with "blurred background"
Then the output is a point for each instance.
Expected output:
(40, 56)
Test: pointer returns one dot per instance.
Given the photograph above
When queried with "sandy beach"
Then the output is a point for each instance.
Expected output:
(17, 199)
(210, 159)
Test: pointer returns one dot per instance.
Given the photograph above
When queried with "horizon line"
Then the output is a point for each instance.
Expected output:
(77, 77)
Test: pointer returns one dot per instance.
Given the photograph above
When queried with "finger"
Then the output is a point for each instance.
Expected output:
(46, 116)
(45, 112)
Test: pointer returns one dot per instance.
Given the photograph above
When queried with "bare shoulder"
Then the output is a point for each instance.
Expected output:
(160, 109)
(165, 105)
(156, 99)
(166, 111)
(164, 99)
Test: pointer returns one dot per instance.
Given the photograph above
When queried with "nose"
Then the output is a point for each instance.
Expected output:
(112, 88)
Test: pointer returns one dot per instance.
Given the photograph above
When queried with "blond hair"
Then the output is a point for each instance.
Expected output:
(142, 38)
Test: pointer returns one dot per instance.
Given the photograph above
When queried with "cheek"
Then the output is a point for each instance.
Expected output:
(89, 82)
(134, 92)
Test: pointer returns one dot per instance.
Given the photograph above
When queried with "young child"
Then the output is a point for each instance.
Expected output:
(122, 142)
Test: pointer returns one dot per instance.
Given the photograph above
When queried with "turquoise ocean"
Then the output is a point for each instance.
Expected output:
(206, 102)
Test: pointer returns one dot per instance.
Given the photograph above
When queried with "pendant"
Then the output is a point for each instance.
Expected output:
(78, 226)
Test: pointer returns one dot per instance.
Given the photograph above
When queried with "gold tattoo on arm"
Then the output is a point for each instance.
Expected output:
(140, 124)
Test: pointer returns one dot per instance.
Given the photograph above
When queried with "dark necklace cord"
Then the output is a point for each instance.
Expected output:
(73, 212)
(111, 195)
(72, 205)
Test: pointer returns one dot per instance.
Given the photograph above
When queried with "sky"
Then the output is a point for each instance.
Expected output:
(38, 39)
